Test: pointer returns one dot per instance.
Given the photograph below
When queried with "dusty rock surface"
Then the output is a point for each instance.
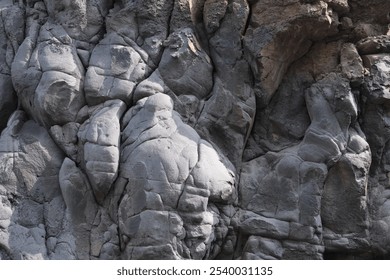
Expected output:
(195, 129)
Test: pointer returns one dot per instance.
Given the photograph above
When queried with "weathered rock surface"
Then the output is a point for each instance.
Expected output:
(177, 185)
(229, 129)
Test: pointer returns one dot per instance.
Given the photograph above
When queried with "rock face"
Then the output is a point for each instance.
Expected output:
(206, 129)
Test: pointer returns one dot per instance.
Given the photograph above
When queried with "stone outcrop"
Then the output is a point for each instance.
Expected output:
(194, 129)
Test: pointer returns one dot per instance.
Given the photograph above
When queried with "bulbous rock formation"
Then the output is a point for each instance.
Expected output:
(202, 129)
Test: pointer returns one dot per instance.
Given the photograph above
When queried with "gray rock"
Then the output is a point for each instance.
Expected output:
(7, 99)
(115, 69)
(258, 225)
(178, 185)
(332, 109)
(262, 248)
(99, 139)
(374, 122)
(30, 161)
(274, 41)
(185, 67)
(179, 129)
(351, 64)
(214, 11)
(81, 208)
(82, 20)
(27, 243)
(50, 90)
(66, 138)
(373, 45)
(11, 36)
(227, 115)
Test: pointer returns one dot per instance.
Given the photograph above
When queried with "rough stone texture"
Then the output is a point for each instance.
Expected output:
(194, 129)
(177, 186)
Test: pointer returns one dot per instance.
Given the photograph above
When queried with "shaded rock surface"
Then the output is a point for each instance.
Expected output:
(178, 129)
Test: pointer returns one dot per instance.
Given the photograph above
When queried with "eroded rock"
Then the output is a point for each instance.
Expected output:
(177, 189)
(179, 129)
